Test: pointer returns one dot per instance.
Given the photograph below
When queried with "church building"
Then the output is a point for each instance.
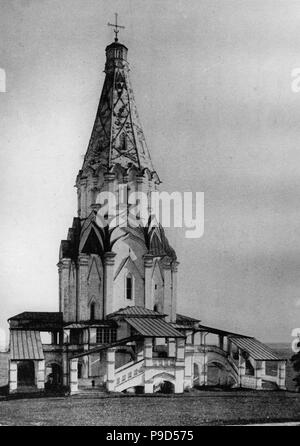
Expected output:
(117, 328)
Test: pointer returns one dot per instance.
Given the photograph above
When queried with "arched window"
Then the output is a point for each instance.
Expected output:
(92, 311)
(155, 308)
(129, 287)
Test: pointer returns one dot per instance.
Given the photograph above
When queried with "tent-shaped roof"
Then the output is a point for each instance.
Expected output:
(117, 136)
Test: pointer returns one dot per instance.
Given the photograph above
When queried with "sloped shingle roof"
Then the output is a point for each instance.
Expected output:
(25, 344)
(38, 320)
(153, 327)
(135, 311)
(256, 349)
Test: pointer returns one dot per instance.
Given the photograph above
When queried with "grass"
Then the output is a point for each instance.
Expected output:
(196, 408)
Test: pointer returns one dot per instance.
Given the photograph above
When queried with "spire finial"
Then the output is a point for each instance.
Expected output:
(116, 26)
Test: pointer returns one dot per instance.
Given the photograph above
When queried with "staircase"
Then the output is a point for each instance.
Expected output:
(86, 389)
(268, 385)
(129, 375)
(91, 392)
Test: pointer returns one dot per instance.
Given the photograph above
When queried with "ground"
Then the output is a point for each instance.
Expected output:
(210, 407)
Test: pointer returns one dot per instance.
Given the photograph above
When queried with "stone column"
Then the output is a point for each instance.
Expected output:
(40, 378)
(109, 263)
(142, 188)
(202, 370)
(60, 289)
(263, 368)
(65, 369)
(241, 367)
(109, 186)
(92, 195)
(83, 198)
(229, 347)
(281, 375)
(171, 347)
(64, 267)
(110, 384)
(257, 374)
(179, 365)
(167, 291)
(13, 376)
(109, 179)
(188, 370)
(174, 291)
(74, 376)
(85, 369)
(93, 335)
(148, 264)
(203, 361)
(82, 292)
(148, 352)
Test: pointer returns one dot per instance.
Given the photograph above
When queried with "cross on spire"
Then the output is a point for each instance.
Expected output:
(116, 26)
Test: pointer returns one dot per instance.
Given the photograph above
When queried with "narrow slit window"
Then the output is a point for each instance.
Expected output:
(129, 287)
(92, 312)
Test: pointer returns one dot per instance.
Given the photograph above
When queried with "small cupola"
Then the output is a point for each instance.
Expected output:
(116, 51)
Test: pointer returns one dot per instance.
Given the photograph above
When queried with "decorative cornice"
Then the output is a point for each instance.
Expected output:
(148, 260)
(109, 176)
(109, 258)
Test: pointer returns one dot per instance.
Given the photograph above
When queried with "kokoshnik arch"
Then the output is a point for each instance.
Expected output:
(117, 328)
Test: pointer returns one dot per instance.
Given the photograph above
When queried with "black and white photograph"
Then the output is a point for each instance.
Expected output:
(150, 212)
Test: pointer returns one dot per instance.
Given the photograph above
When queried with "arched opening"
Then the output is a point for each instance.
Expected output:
(218, 376)
(92, 311)
(166, 387)
(25, 373)
(249, 368)
(139, 390)
(54, 376)
(155, 308)
(129, 287)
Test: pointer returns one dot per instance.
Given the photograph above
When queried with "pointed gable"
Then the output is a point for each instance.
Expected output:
(132, 266)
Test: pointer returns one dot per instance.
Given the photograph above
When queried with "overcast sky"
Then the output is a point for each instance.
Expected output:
(212, 82)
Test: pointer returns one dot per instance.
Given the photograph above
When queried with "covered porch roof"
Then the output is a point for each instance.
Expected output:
(25, 344)
(91, 324)
(136, 312)
(256, 349)
(37, 320)
(213, 330)
(154, 328)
